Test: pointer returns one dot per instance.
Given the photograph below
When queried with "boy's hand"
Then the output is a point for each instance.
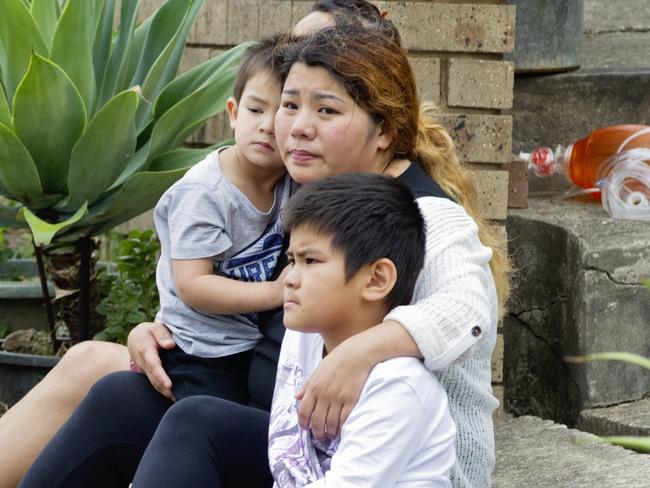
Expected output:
(144, 342)
(333, 390)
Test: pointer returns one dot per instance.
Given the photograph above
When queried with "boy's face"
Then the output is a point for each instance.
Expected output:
(252, 120)
(317, 297)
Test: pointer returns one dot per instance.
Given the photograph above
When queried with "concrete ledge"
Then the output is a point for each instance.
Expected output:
(577, 290)
(626, 419)
(531, 452)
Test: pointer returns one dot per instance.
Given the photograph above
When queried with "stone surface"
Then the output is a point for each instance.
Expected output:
(480, 138)
(531, 452)
(492, 187)
(427, 77)
(497, 360)
(577, 289)
(518, 183)
(210, 25)
(561, 109)
(480, 83)
(626, 419)
(440, 26)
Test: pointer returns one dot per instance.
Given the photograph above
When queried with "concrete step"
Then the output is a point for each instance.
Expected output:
(531, 452)
(560, 109)
(576, 290)
(611, 87)
(625, 419)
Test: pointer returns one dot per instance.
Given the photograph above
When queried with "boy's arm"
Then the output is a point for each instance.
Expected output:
(381, 436)
(201, 289)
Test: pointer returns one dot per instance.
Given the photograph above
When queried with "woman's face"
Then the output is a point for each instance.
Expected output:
(321, 131)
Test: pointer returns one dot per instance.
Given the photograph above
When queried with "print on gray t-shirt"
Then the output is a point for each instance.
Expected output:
(204, 215)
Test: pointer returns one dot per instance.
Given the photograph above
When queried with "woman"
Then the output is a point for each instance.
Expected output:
(31, 423)
(349, 104)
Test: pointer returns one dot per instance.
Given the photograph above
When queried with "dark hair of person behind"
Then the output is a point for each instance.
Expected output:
(369, 217)
(265, 55)
(361, 11)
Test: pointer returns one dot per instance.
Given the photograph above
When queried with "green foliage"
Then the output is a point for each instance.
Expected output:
(4, 328)
(14, 244)
(91, 123)
(6, 253)
(132, 296)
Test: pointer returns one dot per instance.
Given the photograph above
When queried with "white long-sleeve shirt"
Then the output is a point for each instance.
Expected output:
(453, 319)
(400, 433)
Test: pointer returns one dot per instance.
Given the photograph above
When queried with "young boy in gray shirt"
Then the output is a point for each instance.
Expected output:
(220, 238)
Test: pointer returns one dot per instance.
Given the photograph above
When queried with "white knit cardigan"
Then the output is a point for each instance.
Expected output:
(453, 319)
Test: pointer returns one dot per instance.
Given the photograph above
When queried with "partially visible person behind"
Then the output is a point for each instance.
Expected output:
(356, 249)
(327, 13)
(220, 237)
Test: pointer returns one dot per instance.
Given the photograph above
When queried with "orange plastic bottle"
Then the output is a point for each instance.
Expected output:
(584, 162)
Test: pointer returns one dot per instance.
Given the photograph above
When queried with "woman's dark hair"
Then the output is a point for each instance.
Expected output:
(359, 11)
(368, 217)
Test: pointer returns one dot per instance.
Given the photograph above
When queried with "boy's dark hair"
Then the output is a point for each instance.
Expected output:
(369, 217)
(362, 12)
(264, 55)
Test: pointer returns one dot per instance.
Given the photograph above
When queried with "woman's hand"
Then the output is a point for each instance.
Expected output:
(144, 342)
(333, 390)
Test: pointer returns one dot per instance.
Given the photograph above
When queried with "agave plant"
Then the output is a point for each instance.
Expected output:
(92, 121)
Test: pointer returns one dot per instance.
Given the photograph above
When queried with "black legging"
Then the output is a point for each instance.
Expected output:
(103, 441)
(207, 442)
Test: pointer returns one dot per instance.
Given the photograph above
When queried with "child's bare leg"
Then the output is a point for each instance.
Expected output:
(31, 423)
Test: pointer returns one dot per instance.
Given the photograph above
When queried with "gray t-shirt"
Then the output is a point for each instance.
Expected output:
(204, 215)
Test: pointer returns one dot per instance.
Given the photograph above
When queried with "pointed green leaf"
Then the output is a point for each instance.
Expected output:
(19, 36)
(103, 44)
(179, 159)
(18, 173)
(45, 14)
(137, 163)
(164, 27)
(5, 114)
(190, 113)
(135, 52)
(198, 77)
(640, 443)
(97, 160)
(148, 186)
(72, 45)
(43, 231)
(49, 117)
(114, 77)
(166, 64)
(626, 357)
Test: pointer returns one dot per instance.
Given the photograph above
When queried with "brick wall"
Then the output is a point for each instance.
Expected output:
(456, 49)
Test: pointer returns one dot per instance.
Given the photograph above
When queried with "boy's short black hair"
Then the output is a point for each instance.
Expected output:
(264, 55)
(369, 217)
(359, 11)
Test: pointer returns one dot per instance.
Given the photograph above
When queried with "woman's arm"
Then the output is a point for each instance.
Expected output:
(455, 305)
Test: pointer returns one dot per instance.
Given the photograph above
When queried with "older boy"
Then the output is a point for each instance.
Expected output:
(357, 247)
